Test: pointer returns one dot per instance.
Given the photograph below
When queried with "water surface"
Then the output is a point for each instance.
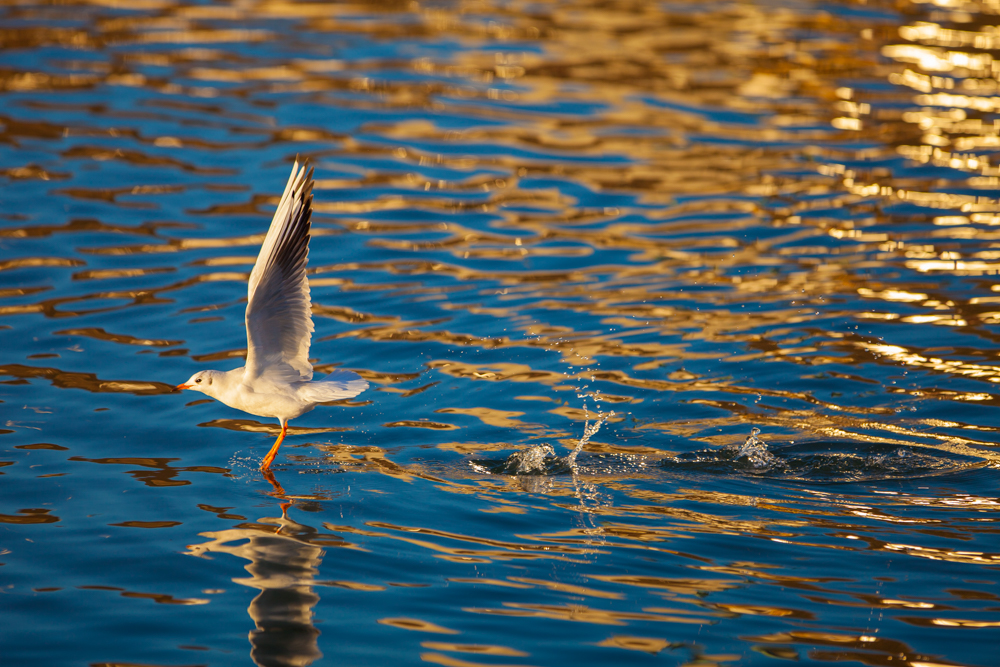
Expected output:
(580, 250)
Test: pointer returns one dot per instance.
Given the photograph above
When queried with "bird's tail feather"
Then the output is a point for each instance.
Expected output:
(337, 385)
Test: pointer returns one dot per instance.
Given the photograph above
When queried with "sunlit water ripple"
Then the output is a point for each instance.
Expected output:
(581, 251)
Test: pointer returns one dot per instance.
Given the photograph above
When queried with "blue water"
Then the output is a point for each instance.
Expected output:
(580, 251)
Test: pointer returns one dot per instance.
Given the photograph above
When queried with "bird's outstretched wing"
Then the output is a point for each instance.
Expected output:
(278, 318)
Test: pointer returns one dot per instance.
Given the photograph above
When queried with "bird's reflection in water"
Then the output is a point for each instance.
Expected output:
(283, 566)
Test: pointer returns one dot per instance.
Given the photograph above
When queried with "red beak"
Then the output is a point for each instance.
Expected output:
(183, 386)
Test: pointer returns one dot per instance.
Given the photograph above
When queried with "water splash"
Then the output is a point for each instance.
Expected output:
(244, 466)
(754, 451)
(589, 431)
(535, 460)
(588, 494)
(542, 459)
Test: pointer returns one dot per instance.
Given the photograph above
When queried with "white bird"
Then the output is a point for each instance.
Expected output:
(276, 380)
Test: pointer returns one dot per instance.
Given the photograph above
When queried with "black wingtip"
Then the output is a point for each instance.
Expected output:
(308, 187)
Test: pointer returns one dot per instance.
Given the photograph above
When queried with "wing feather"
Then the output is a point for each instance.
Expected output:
(336, 386)
(278, 316)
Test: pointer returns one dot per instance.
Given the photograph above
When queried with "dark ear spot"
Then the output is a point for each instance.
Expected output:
(210, 379)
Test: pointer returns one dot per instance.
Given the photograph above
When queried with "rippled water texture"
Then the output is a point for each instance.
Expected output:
(580, 250)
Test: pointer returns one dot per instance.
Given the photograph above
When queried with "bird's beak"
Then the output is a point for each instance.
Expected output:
(183, 386)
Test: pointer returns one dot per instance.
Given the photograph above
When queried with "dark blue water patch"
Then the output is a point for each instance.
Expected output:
(868, 14)
(826, 462)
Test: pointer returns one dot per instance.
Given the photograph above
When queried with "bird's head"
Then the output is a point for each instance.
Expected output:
(207, 382)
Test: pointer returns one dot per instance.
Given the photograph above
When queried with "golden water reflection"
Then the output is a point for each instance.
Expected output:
(705, 217)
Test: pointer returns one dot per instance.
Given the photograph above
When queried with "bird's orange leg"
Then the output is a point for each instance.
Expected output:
(279, 491)
(266, 463)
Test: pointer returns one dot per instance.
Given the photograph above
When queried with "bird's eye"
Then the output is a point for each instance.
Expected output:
(198, 380)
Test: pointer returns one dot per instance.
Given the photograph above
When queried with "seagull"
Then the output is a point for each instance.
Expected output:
(277, 381)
